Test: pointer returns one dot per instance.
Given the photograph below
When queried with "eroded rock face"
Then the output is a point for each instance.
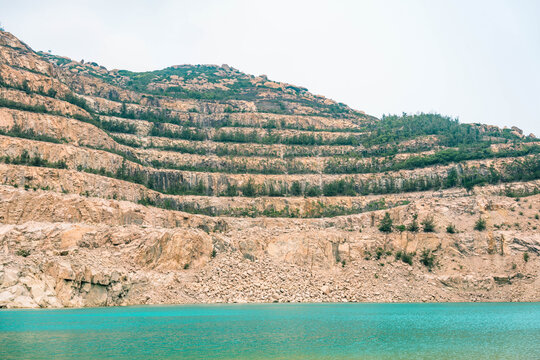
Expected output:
(84, 265)
(84, 286)
(177, 250)
(70, 261)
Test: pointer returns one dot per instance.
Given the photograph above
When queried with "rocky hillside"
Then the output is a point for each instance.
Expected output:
(199, 183)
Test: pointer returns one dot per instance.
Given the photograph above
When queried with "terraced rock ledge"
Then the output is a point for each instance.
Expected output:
(202, 184)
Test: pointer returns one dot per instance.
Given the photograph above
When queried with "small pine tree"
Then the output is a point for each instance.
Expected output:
(452, 178)
(413, 227)
(200, 189)
(296, 189)
(249, 188)
(313, 191)
(386, 224)
(231, 190)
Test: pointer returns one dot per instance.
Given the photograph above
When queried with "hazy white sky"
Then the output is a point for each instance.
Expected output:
(478, 60)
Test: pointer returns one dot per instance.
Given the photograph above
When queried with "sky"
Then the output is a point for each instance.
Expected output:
(472, 59)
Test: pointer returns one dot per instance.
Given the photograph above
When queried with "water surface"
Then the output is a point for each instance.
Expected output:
(276, 331)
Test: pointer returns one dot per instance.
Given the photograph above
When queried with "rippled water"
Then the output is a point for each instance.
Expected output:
(277, 331)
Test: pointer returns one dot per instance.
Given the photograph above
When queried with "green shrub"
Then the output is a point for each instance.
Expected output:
(185, 133)
(25, 159)
(480, 224)
(427, 258)
(117, 126)
(51, 92)
(406, 257)
(526, 257)
(428, 224)
(451, 229)
(339, 187)
(17, 131)
(23, 252)
(77, 101)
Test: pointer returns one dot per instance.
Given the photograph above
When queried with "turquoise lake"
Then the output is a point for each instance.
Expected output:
(275, 331)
